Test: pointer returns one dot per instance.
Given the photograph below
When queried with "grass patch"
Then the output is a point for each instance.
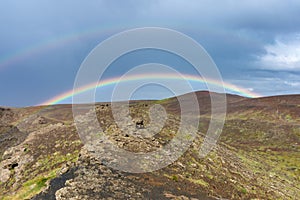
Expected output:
(243, 190)
(172, 177)
(32, 187)
(162, 100)
(39, 176)
(57, 158)
(175, 178)
(199, 182)
(288, 117)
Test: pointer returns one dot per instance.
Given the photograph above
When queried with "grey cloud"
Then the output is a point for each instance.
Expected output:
(237, 34)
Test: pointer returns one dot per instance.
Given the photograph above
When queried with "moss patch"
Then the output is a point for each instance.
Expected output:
(32, 187)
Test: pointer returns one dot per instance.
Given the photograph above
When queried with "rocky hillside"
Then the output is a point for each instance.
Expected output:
(257, 156)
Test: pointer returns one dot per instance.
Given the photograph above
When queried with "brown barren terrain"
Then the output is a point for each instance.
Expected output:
(257, 155)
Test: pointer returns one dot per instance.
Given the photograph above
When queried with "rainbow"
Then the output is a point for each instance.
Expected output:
(111, 81)
(105, 30)
(55, 42)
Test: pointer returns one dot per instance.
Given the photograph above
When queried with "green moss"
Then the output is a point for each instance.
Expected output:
(39, 176)
(243, 190)
(48, 162)
(288, 117)
(32, 187)
(209, 176)
(199, 182)
(175, 178)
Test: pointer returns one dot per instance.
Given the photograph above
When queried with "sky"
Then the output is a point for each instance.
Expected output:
(255, 44)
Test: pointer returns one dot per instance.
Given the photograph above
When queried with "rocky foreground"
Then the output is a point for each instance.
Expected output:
(257, 156)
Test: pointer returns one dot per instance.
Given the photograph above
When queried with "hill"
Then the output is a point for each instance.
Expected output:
(257, 156)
